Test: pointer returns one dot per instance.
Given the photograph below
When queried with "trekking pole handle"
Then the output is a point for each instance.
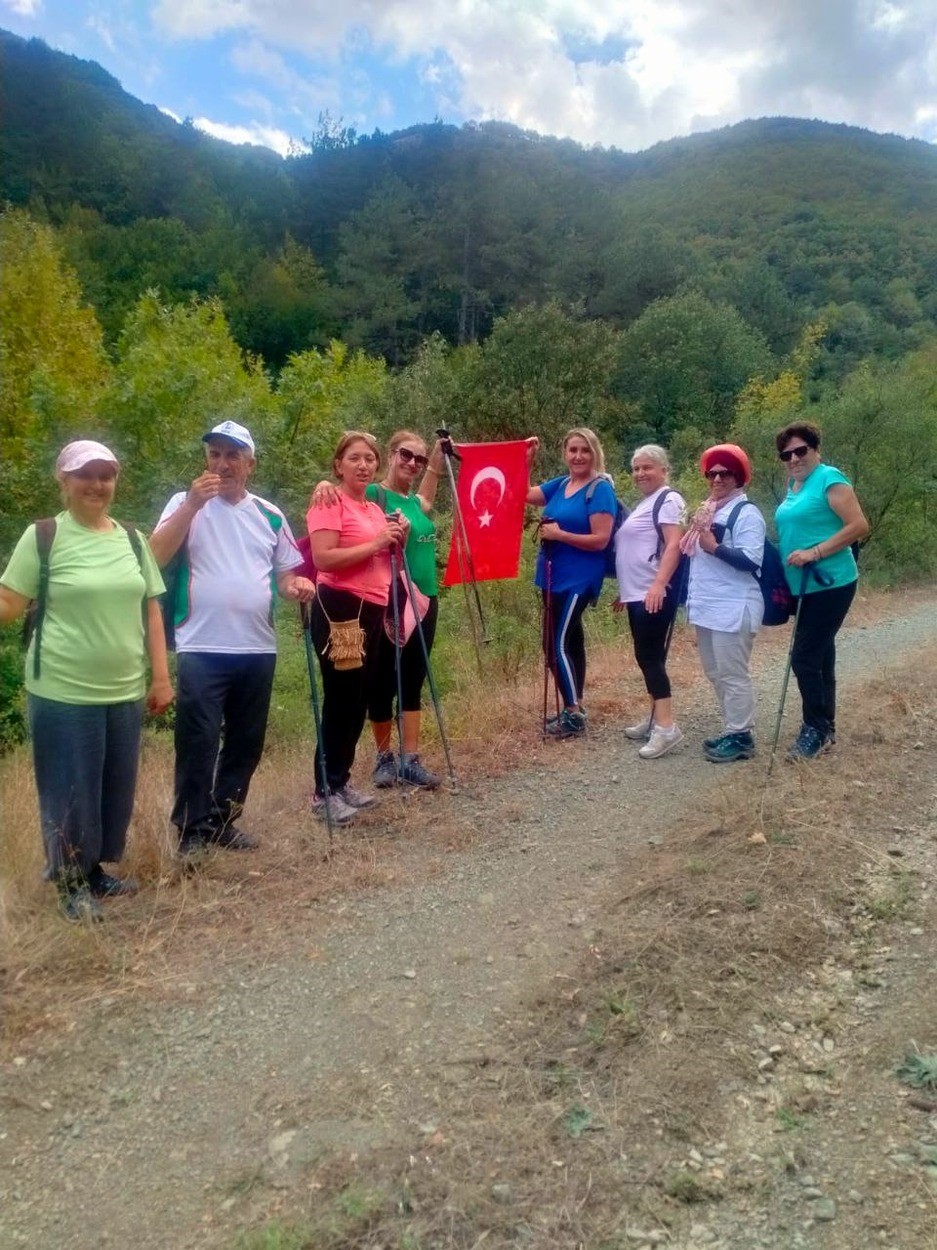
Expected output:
(446, 445)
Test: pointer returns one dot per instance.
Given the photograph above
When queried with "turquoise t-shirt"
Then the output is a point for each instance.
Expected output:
(805, 518)
(421, 544)
(93, 641)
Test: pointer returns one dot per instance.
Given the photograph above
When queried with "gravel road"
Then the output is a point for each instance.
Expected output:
(138, 1127)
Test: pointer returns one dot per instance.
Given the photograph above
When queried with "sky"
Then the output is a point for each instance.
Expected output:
(622, 73)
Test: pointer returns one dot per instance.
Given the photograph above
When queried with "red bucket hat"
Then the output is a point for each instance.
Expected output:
(732, 456)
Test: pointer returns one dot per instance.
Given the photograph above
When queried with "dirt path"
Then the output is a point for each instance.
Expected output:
(153, 1126)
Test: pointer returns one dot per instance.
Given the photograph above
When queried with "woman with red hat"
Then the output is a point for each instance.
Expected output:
(726, 541)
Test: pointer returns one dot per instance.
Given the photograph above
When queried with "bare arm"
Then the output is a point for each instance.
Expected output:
(534, 495)
(669, 559)
(434, 470)
(291, 586)
(842, 499)
(12, 605)
(169, 537)
(600, 531)
(160, 694)
(331, 558)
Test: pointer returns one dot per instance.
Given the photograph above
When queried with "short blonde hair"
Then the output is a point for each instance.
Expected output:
(590, 437)
(354, 436)
(652, 451)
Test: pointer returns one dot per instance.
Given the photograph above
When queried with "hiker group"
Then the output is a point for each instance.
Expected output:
(366, 582)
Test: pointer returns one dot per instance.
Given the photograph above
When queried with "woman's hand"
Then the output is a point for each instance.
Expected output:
(618, 606)
(550, 532)
(707, 540)
(325, 495)
(803, 555)
(654, 599)
(393, 535)
(159, 696)
(533, 446)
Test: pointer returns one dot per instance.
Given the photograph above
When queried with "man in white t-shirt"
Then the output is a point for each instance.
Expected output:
(235, 552)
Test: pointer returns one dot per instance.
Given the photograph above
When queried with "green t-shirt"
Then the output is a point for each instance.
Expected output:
(421, 545)
(804, 519)
(93, 643)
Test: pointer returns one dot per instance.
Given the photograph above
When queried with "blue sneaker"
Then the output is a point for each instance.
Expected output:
(385, 770)
(808, 744)
(730, 747)
(567, 725)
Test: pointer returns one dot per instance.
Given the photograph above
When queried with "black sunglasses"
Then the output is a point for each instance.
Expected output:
(406, 455)
(791, 452)
(714, 474)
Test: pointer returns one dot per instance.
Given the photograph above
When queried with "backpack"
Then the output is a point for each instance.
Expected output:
(778, 599)
(680, 578)
(36, 611)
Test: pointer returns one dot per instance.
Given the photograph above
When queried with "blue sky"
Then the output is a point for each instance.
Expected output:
(626, 73)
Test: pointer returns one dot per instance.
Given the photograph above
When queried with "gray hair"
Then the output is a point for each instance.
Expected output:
(651, 451)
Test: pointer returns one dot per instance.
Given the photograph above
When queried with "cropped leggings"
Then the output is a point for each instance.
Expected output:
(649, 632)
(564, 643)
(412, 670)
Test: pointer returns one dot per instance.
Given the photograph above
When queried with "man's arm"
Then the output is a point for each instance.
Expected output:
(168, 537)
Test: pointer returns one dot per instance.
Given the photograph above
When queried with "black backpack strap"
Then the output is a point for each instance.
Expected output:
(45, 535)
(133, 534)
(380, 497)
(655, 517)
(734, 514)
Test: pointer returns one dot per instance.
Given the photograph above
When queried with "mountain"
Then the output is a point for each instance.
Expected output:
(385, 238)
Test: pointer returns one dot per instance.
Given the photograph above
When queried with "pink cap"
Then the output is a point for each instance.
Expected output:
(75, 456)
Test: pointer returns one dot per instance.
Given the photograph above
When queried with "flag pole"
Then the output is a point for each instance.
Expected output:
(462, 538)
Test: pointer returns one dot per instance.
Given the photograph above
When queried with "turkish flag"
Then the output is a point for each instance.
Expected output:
(492, 491)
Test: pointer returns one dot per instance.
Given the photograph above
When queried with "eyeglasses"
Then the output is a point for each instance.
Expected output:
(715, 474)
(791, 452)
(406, 455)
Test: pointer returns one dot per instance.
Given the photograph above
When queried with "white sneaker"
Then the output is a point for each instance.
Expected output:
(356, 798)
(340, 811)
(661, 741)
(642, 730)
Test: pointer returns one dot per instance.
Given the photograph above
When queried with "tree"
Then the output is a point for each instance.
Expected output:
(684, 362)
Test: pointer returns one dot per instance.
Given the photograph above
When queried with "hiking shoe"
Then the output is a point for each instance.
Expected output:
(713, 742)
(193, 842)
(660, 742)
(639, 732)
(414, 774)
(342, 813)
(731, 747)
(103, 885)
(385, 770)
(355, 798)
(78, 905)
(808, 744)
(567, 725)
(231, 838)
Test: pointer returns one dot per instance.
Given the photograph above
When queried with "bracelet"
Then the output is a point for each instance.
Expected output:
(817, 552)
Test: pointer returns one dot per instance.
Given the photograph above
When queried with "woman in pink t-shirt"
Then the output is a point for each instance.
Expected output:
(351, 542)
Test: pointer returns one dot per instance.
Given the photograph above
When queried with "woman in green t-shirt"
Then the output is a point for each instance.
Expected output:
(97, 627)
(407, 464)
(818, 521)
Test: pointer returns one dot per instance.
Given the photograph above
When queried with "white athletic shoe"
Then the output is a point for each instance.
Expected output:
(661, 741)
(640, 731)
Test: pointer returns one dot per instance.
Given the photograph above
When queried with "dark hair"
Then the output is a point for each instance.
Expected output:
(798, 429)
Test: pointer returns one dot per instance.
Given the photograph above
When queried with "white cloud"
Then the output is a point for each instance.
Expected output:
(256, 133)
(655, 66)
(24, 8)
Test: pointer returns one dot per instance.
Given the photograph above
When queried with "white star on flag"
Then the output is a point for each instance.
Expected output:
(484, 518)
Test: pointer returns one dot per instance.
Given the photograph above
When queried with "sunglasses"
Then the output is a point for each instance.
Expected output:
(791, 452)
(406, 455)
(714, 474)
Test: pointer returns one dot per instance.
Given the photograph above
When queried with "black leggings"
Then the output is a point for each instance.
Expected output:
(813, 656)
(564, 643)
(649, 632)
(412, 669)
(345, 691)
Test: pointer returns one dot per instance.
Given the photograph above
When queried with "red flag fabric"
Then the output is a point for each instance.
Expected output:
(491, 489)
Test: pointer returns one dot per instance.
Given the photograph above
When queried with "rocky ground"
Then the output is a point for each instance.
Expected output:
(187, 1119)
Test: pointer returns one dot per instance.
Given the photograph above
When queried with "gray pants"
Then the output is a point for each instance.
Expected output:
(725, 658)
(85, 759)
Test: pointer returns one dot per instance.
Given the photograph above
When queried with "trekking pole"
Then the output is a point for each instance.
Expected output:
(462, 534)
(548, 641)
(306, 619)
(434, 693)
(395, 606)
(804, 574)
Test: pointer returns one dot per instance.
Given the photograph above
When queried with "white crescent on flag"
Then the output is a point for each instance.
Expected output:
(485, 475)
